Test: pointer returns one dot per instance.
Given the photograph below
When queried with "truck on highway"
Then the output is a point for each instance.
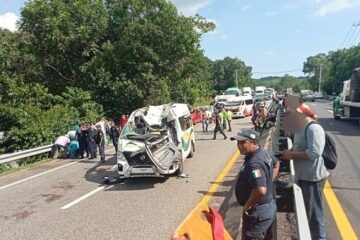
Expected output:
(247, 91)
(348, 103)
(260, 90)
(155, 141)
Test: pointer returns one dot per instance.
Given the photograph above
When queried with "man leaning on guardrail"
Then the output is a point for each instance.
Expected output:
(253, 188)
(310, 170)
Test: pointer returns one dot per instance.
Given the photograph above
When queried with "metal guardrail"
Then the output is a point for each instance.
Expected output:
(6, 158)
(302, 224)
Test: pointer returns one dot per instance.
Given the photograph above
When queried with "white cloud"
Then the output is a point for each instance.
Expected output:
(270, 53)
(245, 8)
(8, 21)
(190, 7)
(272, 13)
(324, 7)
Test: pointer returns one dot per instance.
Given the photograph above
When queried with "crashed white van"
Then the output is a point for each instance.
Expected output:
(155, 141)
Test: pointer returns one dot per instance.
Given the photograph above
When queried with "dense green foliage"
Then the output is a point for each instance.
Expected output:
(280, 84)
(337, 67)
(80, 59)
(230, 72)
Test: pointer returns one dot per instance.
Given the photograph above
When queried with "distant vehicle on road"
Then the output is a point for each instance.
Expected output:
(155, 141)
(260, 90)
(241, 106)
(230, 93)
(348, 103)
(247, 91)
(289, 91)
(319, 95)
(307, 95)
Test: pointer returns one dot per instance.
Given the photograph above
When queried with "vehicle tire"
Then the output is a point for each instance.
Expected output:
(192, 150)
(336, 117)
(313, 100)
(179, 171)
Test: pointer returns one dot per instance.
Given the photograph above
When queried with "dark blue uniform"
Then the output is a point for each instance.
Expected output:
(92, 144)
(256, 172)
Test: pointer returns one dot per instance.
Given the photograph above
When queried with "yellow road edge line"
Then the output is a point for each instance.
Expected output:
(342, 222)
(213, 187)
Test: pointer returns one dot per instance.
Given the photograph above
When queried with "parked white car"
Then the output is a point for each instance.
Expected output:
(319, 95)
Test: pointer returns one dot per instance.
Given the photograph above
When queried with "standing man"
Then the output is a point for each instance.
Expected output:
(83, 141)
(114, 135)
(253, 189)
(229, 116)
(310, 170)
(218, 125)
(205, 120)
(223, 116)
(92, 143)
(123, 121)
(100, 141)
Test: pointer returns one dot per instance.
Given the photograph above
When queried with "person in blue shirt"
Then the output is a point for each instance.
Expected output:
(73, 148)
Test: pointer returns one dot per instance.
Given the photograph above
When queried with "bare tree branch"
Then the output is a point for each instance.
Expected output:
(58, 72)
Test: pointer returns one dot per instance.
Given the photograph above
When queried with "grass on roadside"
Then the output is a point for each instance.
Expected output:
(6, 171)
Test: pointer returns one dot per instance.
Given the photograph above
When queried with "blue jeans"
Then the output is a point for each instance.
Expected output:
(205, 125)
(313, 196)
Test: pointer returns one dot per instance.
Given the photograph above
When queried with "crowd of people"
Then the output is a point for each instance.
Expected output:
(254, 187)
(88, 139)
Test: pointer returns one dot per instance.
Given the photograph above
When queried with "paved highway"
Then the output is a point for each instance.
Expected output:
(345, 179)
(66, 199)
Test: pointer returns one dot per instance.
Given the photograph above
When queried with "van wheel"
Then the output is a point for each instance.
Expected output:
(192, 150)
(179, 171)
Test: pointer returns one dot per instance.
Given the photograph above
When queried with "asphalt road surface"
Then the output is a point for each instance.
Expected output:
(345, 178)
(66, 199)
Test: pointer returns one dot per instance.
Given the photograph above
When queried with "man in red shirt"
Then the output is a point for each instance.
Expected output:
(123, 121)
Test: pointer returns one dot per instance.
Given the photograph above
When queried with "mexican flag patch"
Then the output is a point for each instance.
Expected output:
(256, 173)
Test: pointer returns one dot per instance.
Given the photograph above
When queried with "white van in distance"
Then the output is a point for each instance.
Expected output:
(240, 106)
(247, 91)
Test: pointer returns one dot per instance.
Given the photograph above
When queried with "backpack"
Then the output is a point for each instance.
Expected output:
(329, 155)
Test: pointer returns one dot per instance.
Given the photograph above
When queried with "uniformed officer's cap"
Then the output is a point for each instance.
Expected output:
(246, 134)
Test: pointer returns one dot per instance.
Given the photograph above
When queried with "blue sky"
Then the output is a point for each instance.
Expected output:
(271, 36)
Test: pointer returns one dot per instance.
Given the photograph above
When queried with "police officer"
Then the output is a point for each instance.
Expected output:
(253, 188)
(218, 125)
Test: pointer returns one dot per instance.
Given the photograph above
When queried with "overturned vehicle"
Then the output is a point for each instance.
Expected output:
(155, 141)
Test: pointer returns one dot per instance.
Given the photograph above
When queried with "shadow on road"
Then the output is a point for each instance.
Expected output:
(136, 184)
(99, 171)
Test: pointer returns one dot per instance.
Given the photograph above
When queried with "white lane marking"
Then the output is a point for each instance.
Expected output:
(76, 201)
(43, 173)
(330, 111)
(37, 175)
